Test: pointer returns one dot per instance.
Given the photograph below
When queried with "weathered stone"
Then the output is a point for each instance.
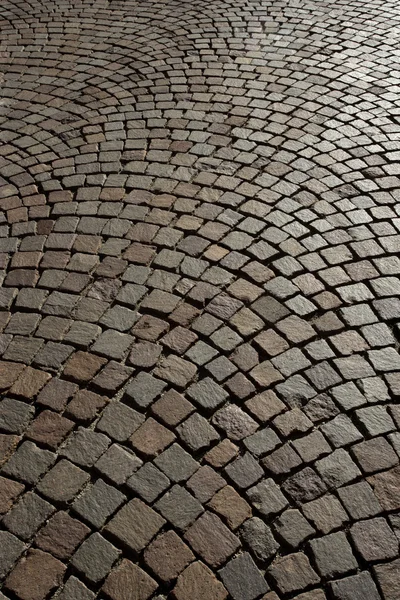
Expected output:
(374, 540)
(293, 573)
(210, 538)
(388, 576)
(35, 576)
(267, 498)
(197, 433)
(242, 578)
(259, 538)
(9, 492)
(333, 555)
(28, 515)
(355, 587)
(12, 548)
(97, 503)
(61, 535)
(128, 581)
(63, 482)
(230, 506)
(179, 507)
(167, 556)
(135, 524)
(235, 422)
(95, 557)
(198, 582)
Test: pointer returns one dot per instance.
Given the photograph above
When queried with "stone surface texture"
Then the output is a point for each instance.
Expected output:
(199, 300)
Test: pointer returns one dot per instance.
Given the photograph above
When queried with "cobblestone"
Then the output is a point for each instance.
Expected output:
(200, 294)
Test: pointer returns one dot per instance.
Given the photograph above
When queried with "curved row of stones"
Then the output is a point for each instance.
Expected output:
(199, 252)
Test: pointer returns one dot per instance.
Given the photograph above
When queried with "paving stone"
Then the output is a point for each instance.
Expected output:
(49, 429)
(267, 498)
(148, 482)
(242, 578)
(205, 483)
(283, 460)
(355, 587)
(197, 582)
(176, 370)
(232, 507)
(197, 433)
(85, 406)
(293, 528)
(28, 515)
(35, 576)
(326, 513)
(305, 485)
(112, 377)
(15, 415)
(29, 383)
(61, 535)
(323, 376)
(337, 469)
(127, 222)
(9, 373)
(265, 374)
(12, 550)
(293, 573)
(375, 455)
(295, 390)
(210, 538)
(144, 354)
(84, 447)
(359, 500)
(9, 492)
(312, 446)
(222, 453)
(117, 464)
(333, 555)
(259, 538)
(172, 408)
(385, 487)
(63, 482)
(176, 463)
(388, 578)
(348, 396)
(119, 421)
(135, 524)
(83, 366)
(28, 463)
(292, 422)
(265, 406)
(74, 589)
(375, 420)
(179, 507)
(341, 431)
(312, 595)
(262, 442)
(207, 394)
(244, 471)
(374, 539)
(143, 389)
(167, 556)
(95, 557)
(127, 577)
(97, 503)
(151, 438)
(270, 309)
(235, 422)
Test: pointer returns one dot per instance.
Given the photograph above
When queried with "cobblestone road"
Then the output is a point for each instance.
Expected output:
(199, 246)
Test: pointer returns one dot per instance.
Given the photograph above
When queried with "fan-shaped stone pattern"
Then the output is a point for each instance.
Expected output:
(200, 293)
